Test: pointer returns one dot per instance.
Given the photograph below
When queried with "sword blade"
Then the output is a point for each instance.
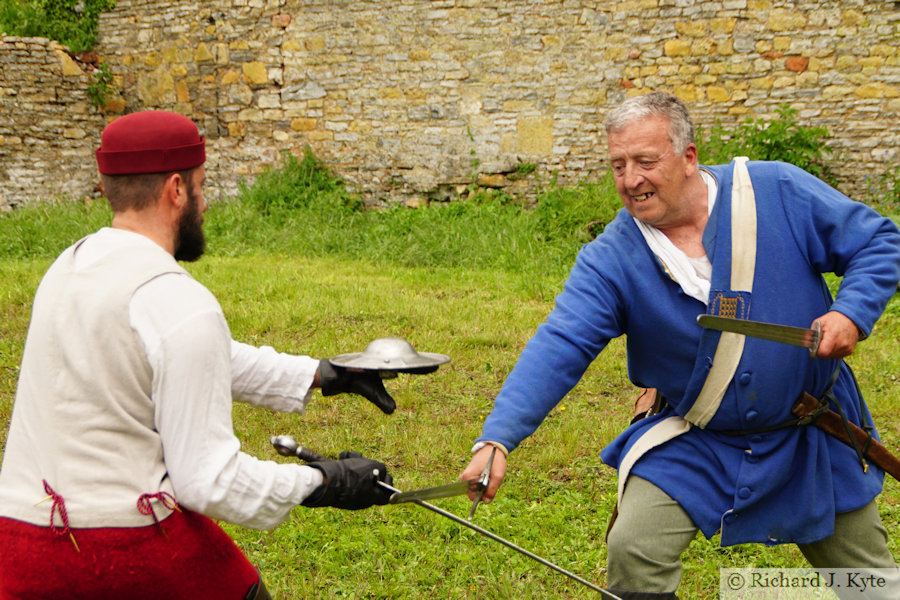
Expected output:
(785, 334)
(606, 594)
(442, 491)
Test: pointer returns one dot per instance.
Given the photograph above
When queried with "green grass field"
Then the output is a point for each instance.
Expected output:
(448, 282)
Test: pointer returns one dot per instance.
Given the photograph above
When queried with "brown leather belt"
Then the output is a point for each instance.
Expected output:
(833, 424)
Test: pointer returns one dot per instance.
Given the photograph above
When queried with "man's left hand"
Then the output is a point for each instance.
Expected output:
(839, 335)
(476, 467)
(340, 380)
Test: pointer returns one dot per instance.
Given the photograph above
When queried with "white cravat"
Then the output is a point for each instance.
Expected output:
(692, 274)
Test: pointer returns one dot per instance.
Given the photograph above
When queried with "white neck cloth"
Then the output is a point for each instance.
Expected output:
(694, 281)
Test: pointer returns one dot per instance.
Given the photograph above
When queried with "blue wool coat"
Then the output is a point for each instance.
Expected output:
(776, 487)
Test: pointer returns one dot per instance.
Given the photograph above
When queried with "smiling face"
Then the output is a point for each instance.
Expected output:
(650, 175)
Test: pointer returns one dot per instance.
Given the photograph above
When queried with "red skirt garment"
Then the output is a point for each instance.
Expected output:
(185, 556)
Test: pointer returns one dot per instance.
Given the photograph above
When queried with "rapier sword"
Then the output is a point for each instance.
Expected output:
(287, 446)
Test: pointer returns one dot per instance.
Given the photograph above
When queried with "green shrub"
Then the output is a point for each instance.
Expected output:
(101, 88)
(72, 23)
(781, 138)
(578, 213)
(298, 184)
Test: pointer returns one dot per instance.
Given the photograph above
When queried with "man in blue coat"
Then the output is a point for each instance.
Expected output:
(724, 454)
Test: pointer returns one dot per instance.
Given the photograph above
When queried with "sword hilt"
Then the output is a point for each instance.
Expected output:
(815, 339)
(307, 455)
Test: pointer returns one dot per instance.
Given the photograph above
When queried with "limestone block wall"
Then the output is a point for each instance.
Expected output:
(413, 100)
(48, 128)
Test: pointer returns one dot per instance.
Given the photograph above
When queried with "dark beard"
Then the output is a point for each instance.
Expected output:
(190, 243)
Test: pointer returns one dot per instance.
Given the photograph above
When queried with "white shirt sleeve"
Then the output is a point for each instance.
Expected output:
(190, 351)
(275, 380)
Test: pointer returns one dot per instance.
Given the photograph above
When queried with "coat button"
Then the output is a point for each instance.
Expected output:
(745, 378)
(744, 493)
(751, 416)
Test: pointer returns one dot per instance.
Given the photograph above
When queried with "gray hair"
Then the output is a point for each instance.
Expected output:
(681, 128)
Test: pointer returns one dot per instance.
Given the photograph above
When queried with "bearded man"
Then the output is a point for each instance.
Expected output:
(121, 449)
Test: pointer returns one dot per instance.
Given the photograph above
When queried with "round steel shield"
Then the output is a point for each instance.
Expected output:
(391, 354)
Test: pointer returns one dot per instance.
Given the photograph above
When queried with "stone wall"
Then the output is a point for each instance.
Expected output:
(48, 128)
(413, 100)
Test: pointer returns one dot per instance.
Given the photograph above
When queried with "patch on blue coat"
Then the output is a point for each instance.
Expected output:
(729, 304)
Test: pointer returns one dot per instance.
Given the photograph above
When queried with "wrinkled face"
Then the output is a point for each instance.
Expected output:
(649, 175)
(191, 242)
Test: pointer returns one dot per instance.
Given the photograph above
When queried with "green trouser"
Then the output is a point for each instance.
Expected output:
(651, 532)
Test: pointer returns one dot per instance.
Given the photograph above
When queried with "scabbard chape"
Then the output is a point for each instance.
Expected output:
(866, 446)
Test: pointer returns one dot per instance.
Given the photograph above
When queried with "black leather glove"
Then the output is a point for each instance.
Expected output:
(338, 380)
(350, 483)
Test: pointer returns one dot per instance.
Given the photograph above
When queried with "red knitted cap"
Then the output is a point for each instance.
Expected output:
(152, 141)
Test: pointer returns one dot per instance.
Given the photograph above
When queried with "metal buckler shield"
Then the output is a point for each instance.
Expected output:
(389, 356)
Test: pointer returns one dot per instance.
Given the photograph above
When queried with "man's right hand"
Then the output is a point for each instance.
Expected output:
(839, 335)
(350, 483)
(476, 466)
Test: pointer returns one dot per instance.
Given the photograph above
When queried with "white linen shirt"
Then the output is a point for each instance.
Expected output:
(184, 330)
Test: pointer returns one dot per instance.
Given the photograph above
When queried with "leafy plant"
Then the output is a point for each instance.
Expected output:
(474, 161)
(297, 184)
(781, 138)
(578, 213)
(523, 170)
(72, 23)
(101, 88)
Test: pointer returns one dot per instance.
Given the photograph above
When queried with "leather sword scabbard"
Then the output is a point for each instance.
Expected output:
(832, 424)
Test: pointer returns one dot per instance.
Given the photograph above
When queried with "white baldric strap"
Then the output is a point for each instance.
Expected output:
(660, 433)
(743, 264)
(731, 345)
